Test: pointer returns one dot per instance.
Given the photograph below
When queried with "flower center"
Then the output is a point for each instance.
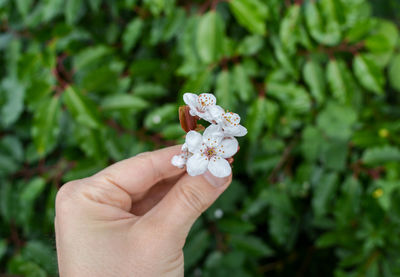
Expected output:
(209, 152)
(231, 118)
(205, 100)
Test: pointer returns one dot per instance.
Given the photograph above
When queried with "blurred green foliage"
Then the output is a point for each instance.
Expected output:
(85, 83)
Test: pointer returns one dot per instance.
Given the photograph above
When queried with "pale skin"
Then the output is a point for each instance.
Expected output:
(132, 218)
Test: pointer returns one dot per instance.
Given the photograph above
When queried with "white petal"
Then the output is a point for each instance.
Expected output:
(228, 147)
(196, 165)
(192, 111)
(184, 147)
(205, 115)
(213, 135)
(178, 161)
(193, 141)
(236, 131)
(215, 113)
(219, 167)
(190, 99)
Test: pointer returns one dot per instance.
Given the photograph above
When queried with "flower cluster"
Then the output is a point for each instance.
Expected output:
(210, 150)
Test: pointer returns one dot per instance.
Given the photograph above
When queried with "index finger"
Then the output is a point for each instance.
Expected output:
(139, 173)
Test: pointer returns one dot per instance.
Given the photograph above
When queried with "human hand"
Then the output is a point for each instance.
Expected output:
(132, 218)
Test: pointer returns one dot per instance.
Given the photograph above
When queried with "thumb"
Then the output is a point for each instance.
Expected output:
(185, 202)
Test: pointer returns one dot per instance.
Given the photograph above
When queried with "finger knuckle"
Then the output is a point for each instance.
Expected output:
(65, 197)
(147, 162)
(106, 191)
(193, 198)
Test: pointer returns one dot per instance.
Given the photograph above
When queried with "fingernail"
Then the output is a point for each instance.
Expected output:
(215, 181)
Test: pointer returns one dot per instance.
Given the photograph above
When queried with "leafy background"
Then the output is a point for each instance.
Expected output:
(85, 83)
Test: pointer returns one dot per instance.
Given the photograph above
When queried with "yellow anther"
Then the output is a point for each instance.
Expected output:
(377, 193)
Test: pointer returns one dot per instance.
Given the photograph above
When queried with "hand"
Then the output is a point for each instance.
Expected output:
(132, 218)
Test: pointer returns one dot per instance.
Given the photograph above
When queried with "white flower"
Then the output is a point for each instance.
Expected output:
(181, 159)
(199, 104)
(210, 151)
(228, 121)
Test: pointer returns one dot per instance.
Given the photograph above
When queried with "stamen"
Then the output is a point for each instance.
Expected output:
(210, 152)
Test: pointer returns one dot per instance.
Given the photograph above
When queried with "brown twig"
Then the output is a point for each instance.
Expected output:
(370, 260)
(63, 76)
(204, 7)
(344, 47)
(358, 168)
(14, 236)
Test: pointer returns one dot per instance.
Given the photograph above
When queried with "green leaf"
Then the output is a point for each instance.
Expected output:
(210, 37)
(90, 141)
(28, 195)
(51, 9)
(90, 56)
(294, 98)
(195, 248)
(72, 11)
(124, 101)
(312, 142)
(41, 253)
(46, 127)
(251, 245)
(175, 23)
(328, 239)
(251, 14)
(235, 226)
(287, 62)
(387, 190)
(101, 79)
(321, 19)
(5, 39)
(132, 34)
(149, 90)
(31, 191)
(242, 83)
(3, 248)
(282, 228)
(13, 94)
(288, 27)
(337, 121)
(173, 132)
(334, 155)
(368, 74)
(250, 45)
(156, 6)
(324, 193)
(22, 267)
(335, 74)
(271, 113)
(255, 121)
(380, 155)
(160, 116)
(12, 147)
(95, 5)
(315, 79)
(81, 108)
(198, 83)
(23, 6)
(9, 201)
(224, 90)
(382, 42)
(394, 72)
